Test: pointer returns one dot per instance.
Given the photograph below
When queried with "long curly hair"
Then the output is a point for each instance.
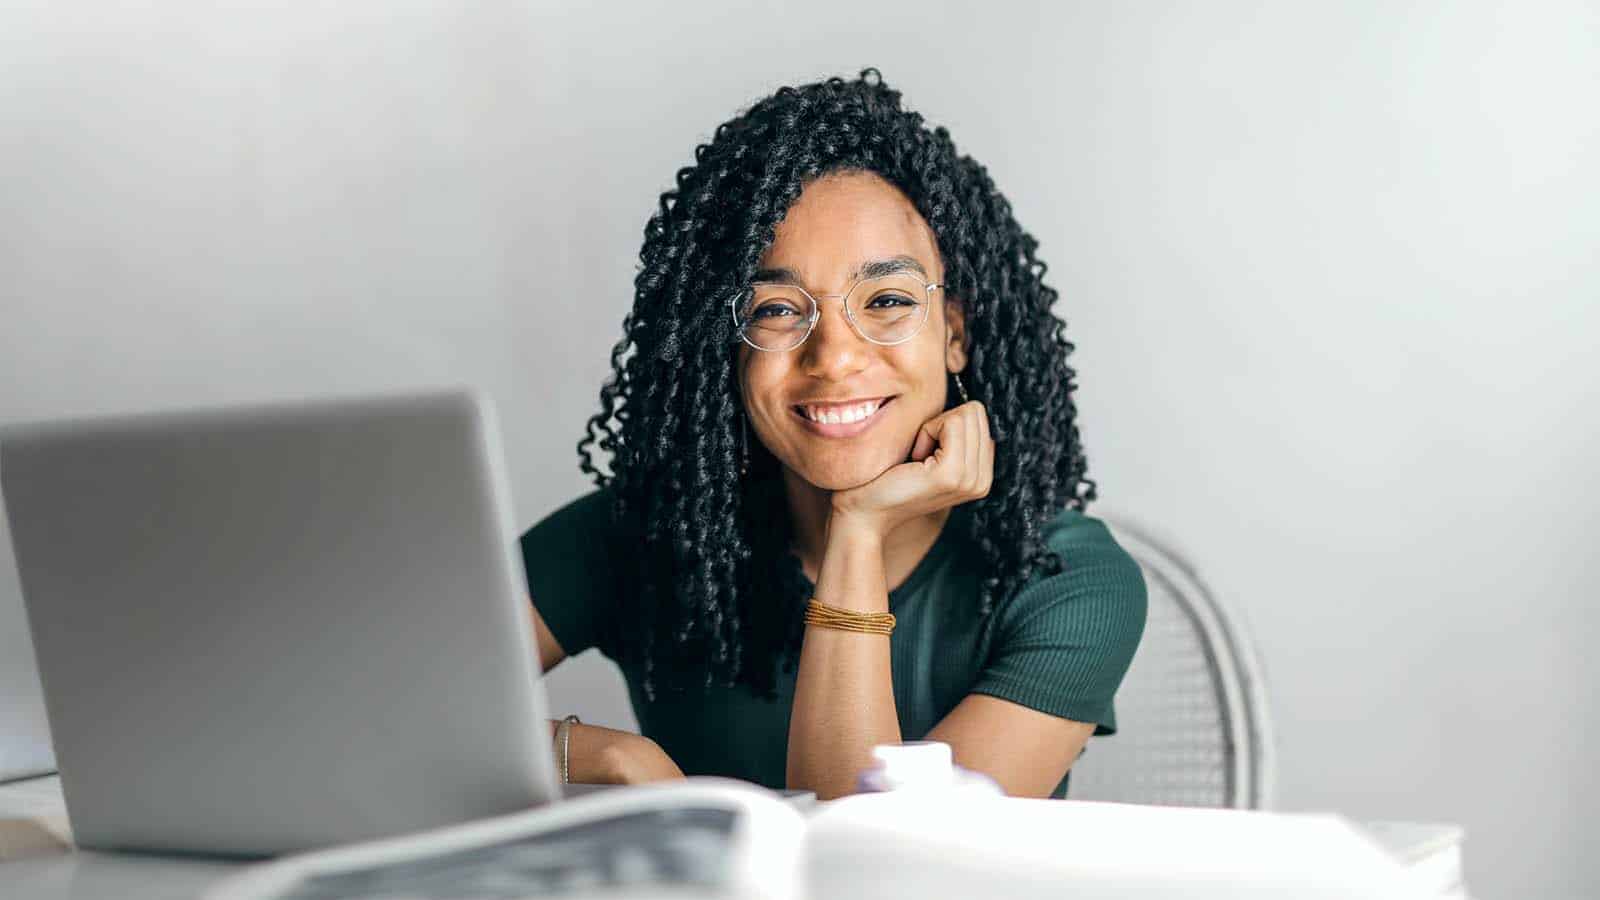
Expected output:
(717, 595)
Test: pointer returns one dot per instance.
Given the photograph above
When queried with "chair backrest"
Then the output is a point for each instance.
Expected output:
(1193, 727)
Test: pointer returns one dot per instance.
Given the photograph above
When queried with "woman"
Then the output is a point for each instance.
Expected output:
(841, 396)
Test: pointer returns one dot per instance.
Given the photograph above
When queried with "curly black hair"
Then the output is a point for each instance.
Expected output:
(717, 595)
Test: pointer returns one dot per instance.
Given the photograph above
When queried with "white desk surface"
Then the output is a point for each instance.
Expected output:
(37, 861)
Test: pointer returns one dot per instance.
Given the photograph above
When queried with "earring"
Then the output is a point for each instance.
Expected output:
(744, 447)
(960, 387)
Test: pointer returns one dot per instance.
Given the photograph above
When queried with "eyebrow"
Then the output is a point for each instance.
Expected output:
(877, 268)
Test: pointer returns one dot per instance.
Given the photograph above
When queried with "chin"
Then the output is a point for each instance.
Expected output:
(837, 482)
(845, 477)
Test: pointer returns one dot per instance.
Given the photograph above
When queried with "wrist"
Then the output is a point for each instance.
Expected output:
(563, 746)
(855, 529)
(851, 575)
(636, 759)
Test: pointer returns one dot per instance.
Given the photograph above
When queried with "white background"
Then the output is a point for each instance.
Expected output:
(1331, 270)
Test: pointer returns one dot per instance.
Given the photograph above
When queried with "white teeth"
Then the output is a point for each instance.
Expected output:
(837, 416)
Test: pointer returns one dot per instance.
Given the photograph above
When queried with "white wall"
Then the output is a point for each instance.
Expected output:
(1330, 269)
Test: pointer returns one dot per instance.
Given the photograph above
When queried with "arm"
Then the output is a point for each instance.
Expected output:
(844, 693)
(598, 755)
(1026, 751)
(843, 696)
(844, 699)
(1061, 648)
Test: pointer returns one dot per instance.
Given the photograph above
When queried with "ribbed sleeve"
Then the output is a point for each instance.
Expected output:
(1063, 643)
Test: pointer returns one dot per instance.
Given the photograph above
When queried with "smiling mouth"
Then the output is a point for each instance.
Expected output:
(841, 420)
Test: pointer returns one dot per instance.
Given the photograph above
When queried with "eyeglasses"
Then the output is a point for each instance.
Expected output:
(890, 310)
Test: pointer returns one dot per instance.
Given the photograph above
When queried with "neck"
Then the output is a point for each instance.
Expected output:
(810, 508)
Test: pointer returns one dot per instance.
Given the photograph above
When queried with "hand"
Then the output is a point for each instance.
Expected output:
(598, 755)
(952, 462)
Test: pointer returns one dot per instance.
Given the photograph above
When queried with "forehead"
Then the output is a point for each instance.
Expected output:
(843, 220)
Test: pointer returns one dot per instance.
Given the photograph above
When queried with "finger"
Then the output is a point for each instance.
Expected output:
(986, 460)
(929, 437)
(983, 420)
(973, 415)
(952, 452)
(988, 424)
(925, 442)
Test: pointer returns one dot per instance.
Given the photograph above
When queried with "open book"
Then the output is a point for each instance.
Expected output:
(701, 837)
(714, 837)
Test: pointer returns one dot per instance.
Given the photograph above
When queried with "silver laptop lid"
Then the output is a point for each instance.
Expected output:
(268, 629)
(24, 735)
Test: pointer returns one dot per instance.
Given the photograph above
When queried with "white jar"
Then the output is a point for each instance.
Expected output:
(921, 765)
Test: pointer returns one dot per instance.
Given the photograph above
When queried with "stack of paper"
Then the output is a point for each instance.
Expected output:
(907, 844)
(1431, 854)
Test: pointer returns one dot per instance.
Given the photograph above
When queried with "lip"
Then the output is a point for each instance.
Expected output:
(843, 429)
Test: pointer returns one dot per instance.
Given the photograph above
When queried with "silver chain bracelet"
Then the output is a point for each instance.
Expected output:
(564, 746)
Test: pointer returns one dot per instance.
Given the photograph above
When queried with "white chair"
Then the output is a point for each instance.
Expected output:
(1193, 727)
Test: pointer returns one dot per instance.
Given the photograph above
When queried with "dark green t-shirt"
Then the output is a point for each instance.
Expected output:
(1059, 645)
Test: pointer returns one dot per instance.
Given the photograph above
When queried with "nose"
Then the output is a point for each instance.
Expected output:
(833, 351)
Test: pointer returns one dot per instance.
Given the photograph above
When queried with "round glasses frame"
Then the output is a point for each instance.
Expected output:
(816, 313)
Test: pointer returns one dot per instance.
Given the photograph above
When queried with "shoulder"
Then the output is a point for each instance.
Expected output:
(1072, 528)
(591, 507)
(1088, 549)
(1063, 641)
(587, 518)
(1099, 591)
(572, 558)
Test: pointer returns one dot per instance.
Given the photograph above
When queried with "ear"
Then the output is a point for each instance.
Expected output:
(955, 320)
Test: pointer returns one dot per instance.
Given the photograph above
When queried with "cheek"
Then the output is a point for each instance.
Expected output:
(761, 386)
(754, 375)
(925, 376)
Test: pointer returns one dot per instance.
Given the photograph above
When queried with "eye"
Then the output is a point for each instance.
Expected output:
(773, 311)
(889, 301)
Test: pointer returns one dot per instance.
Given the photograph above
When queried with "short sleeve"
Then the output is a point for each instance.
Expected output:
(569, 557)
(1063, 642)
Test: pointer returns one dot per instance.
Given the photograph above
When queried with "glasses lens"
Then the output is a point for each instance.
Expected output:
(775, 317)
(889, 310)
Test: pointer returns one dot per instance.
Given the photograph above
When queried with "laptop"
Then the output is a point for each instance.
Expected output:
(268, 629)
(24, 733)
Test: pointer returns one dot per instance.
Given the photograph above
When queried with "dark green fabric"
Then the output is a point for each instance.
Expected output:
(1059, 645)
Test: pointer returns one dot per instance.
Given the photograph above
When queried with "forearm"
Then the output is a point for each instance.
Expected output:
(844, 694)
(599, 755)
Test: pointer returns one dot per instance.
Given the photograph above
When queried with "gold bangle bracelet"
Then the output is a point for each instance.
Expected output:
(825, 616)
